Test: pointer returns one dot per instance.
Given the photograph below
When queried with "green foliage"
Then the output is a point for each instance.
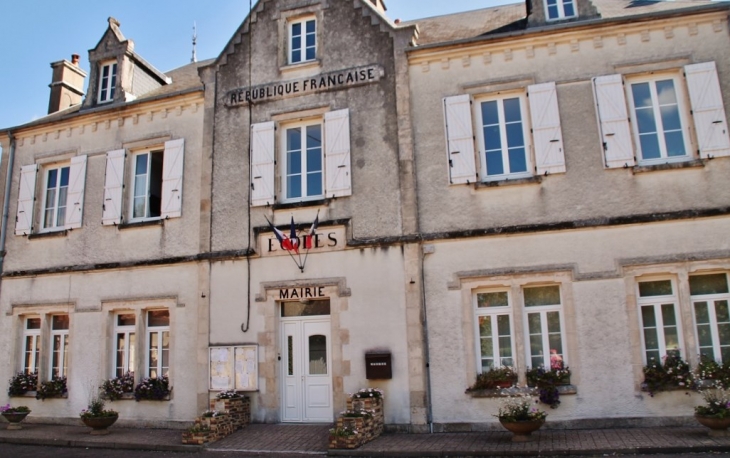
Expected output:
(520, 407)
(22, 382)
(96, 409)
(494, 377)
(54, 388)
(345, 431)
(717, 402)
(672, 374)
(113, 389)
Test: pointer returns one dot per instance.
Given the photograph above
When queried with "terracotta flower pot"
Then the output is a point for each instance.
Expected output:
(718, 426)
(521, 430)
(99, 425)
(14, 419)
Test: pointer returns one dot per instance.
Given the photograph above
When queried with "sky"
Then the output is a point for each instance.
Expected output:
(34, 33)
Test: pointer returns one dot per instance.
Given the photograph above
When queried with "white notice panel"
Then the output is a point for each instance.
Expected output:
(247, 372)
(234, 368)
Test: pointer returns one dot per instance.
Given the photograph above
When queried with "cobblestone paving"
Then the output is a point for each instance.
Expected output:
(305, 439)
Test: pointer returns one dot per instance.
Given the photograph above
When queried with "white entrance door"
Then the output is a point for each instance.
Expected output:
(307, 370)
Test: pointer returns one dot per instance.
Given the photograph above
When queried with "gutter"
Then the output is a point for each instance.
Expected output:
(6, 199)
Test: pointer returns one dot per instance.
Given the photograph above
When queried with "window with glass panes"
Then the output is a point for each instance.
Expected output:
(55, 196)
(107, 81)
(560, 9)
(545, 340)
(303, 162)
(710, 296)
(659, 126)
(658, 312)
(503, 137)
(147, 198)
(31, 345)
(59, 341)
(302, 40)
(124, 343)
(494, 330)
(158, 342)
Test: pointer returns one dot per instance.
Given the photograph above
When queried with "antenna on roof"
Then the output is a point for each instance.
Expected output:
(195, 42)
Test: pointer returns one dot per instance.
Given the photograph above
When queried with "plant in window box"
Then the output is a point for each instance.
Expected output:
(547, 381)
(23, 382)
(54, 388)
(14, 415)
(519, 415)
(228, 394)
(115, 388)
(156, 389)
(496, 377)
(671, 374)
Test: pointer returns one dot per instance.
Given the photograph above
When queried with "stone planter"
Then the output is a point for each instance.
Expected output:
(195, 437)
(344, 442)
(14, 419)
(99, 425)
(718, 426)
(522, 430)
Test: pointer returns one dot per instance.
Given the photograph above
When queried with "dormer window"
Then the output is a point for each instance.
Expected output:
(302, 40)
(107, 81)
(560, 9)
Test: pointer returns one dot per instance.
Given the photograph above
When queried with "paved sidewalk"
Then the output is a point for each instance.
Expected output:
(311, 440)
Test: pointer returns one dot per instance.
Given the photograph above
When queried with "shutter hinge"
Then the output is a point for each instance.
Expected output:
(451, 163)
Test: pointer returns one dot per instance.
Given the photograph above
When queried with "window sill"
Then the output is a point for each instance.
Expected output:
(509, 182)
(49, 234)
(166, 398)
(306, 203)
(132, 225)
(506, 392)
(308, 65)
(32, 394)
(669, 166)
(125, 397)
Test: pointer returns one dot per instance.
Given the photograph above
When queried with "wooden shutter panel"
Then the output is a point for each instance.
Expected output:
(338, 182)
(460, 139)
(262, 164)
(546, 133)
(172, 178)
(613, 120)
(113, 187)
(708, 109)
(75, 200)
(26, 197)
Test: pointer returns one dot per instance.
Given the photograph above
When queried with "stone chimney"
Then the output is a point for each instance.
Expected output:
(67, 85)
(379, 4)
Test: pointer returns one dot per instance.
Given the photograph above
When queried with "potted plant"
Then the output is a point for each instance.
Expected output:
(118, 388)
(519, 415)
(670, 374)
(715, 413)
(14, 415)
(97, 418)
(22, 383)
(496, 377)
(54, 388)
(155, 389)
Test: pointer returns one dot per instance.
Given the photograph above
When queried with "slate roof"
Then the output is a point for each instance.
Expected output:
(504, 18)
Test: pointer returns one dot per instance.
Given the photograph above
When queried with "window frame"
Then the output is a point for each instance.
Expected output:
(302, 49)
(159, 331)
(283, 152)
(36, 346)
(129, 354)
(493, 314)
(44, 205)
(107, 84)
(712, 315)
(543, 310)
(500, 97)
(148, 180)
(560, 5)
(680, 91)
(656, 302)
(63, 335)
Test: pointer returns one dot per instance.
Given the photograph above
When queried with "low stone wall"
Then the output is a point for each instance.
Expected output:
(234, 414)
(362, 422)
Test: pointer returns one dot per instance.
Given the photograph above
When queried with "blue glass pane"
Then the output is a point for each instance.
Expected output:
(675, 144)
(64, 176)
(552, 12)
(490, 115)
(294, 163)
(645, 120)
(296, 29)
(492, 139)
(310, 40)
(314, 136)
(294, 186)
(296, 56)
(514, 135)
(311, 26)
(314, 160)
(512, 110)
(294, 139)
(569, 9)
(52, 178)
(642, 95)
(494, 163)
(311, 54)
(296, 43)
(666, 93)
(314, 184)
(649, 147)
(517, 161)
(552, 2)
(670, 117)
(141, 166)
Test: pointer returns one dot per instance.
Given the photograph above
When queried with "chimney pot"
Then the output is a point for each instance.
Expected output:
(75, 59)
(397, 21)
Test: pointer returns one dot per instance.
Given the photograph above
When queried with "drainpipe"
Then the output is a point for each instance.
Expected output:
(429, 408)
(6, 200)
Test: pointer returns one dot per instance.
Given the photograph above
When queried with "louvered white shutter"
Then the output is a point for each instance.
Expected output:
(708, 110)
(75, 199)
(338, 182)
(613, 121)
(460, 139)
(26, 197)
(546, 133)
(262, 164)
(172, 178)
(113, 187)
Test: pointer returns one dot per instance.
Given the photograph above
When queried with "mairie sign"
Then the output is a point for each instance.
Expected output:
(330, 81)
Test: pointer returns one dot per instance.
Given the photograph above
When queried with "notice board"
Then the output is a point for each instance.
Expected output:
(234, 368)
